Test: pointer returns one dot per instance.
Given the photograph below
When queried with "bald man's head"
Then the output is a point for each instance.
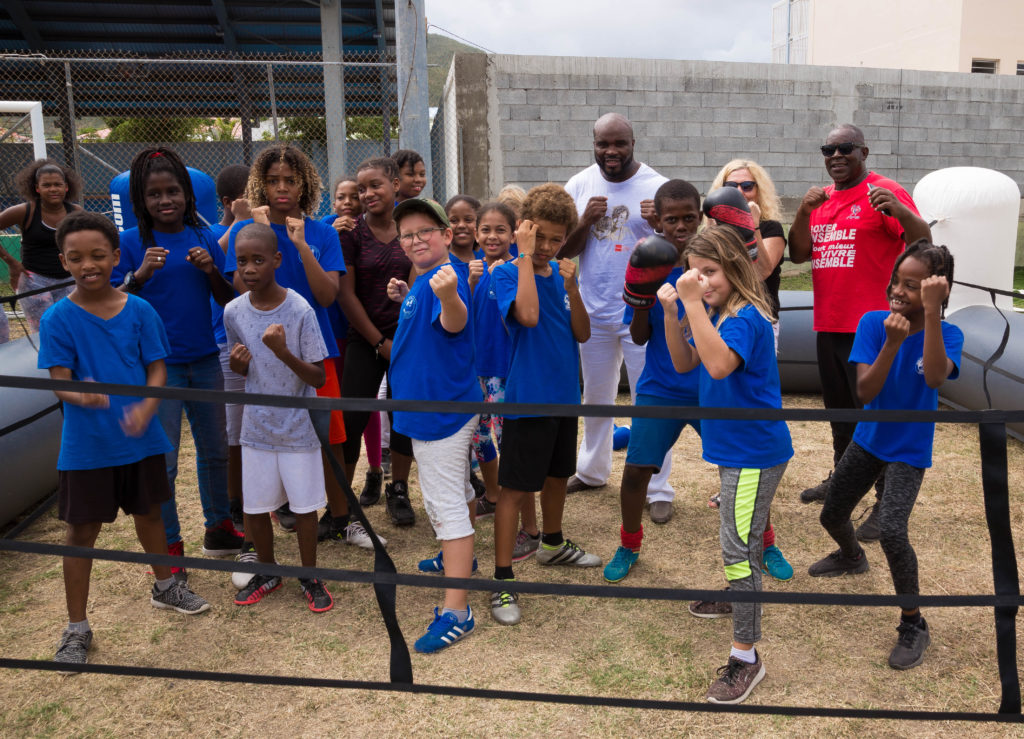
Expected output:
(613, 147)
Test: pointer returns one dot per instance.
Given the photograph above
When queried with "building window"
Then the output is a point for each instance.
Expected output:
(985, 66)
(1020, 68)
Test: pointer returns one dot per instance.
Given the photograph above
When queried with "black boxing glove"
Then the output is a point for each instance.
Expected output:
(727, 205)
(649, 264)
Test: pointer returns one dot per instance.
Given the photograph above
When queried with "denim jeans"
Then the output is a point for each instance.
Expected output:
(209, 434)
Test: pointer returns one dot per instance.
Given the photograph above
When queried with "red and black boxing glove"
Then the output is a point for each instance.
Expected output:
(727, 205)
(649, 264)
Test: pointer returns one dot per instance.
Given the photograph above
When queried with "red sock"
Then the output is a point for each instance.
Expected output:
(631, 539)
(769, 536)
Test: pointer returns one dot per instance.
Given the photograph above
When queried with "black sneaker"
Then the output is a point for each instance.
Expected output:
(285, 518)
(837, 564)
(818, 492)
(330, 528)
(222, 540)
(477, 484)
(399, 507)
(371, 488)
(910, 645)
(237, 518)
(317, 597)
(73, 649)
(869, 530)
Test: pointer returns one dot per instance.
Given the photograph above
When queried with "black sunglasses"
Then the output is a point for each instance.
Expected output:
(844, 149)
(744, 186)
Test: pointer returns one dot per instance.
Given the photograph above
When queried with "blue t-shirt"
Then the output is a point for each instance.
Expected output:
(179, 292)
(757, 444)
(545, 363)
(115, 350)
(493, 348)
(216, 308)
(323, 240)
(430, 363)
(659, 377)
(904, 389)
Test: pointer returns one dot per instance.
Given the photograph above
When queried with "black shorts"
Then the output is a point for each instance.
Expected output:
(93, 496)
(535, 448)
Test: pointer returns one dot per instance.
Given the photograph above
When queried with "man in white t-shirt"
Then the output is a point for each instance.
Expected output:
(615, 200)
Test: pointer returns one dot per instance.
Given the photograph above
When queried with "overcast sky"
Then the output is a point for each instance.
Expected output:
(733, 30)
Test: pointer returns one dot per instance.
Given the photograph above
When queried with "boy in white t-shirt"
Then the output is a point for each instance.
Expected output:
(277, 345)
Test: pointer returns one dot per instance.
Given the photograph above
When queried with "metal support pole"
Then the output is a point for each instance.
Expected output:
(384, 80)
(273, 99)
(334, 86)
(68, 125)
(413, 110)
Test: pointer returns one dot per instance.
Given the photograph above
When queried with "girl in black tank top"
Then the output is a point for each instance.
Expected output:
(48, 189)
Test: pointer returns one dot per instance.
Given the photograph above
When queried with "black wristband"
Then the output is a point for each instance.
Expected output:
(380, 343)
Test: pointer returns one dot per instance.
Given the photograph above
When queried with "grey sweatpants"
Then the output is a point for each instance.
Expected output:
(746, 497)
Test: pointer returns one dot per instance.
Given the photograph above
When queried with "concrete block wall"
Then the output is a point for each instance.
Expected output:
(691, 117)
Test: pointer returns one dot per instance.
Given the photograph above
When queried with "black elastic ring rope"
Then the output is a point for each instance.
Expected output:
(386, 593)
(519, 586)
(30, 419)
(38, 291)
(521, 409)
(31, 518)
(1004, 558)
(515, 695)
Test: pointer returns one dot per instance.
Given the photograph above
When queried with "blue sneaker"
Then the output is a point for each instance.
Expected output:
(436, 564)
(775, 564)
(618, 568)
(444, 631)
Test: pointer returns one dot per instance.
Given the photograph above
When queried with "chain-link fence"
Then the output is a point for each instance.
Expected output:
(100, 112)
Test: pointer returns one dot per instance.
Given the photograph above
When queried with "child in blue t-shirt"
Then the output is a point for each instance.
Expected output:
(902, 355)
(111, 454)
(677, 207)
(432, 358)
(540, 302)
(729, 317)
(172, 261)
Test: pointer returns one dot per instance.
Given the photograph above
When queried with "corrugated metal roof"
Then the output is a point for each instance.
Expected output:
(265, 27)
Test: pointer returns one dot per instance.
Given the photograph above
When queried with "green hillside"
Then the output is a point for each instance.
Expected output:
(440, 50)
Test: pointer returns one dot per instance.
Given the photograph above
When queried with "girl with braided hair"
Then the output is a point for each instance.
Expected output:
(902, 355)
(172, 261)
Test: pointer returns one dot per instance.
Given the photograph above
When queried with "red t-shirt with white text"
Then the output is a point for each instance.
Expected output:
(853, 250)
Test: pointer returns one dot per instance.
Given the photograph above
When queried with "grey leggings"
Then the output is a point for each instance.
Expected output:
(746, 497)
(854, 475)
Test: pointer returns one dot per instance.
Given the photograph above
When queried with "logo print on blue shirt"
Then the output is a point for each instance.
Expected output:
(919, 366)
(565, 299)
(409, 307)
(491, 295)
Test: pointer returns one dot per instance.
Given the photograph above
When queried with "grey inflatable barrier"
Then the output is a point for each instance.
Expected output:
(983, 328)
(798, 356)
(29, 453)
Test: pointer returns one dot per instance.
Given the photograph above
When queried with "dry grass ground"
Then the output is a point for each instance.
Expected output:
(818, 656)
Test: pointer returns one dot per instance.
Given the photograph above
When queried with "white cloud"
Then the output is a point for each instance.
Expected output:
(738, 30)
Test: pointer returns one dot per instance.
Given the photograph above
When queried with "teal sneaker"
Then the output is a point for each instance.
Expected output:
(618, 568)
(775, 564)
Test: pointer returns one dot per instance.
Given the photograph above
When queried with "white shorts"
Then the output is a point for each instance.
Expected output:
(270, 479)
(233, 382)
(443, 468)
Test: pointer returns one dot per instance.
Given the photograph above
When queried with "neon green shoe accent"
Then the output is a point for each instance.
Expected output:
(743, 508)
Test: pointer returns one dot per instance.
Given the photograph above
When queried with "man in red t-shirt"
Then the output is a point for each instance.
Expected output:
(852, 231)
